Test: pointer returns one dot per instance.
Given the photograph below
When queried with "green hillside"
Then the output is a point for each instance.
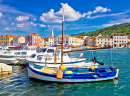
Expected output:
(121, 28)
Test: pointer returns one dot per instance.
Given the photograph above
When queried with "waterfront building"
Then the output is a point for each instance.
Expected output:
(104, 41)
(85, 38)
(6, 40)
(50, 40)
(44, 43)
(18, 41)
(128, 36)
(32, 39)
(119, 39)
(68, 40)
(91, 41)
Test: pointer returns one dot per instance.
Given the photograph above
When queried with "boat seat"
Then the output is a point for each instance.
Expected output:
(49, 70)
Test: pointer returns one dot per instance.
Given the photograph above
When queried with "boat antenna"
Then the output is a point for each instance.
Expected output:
(62, 38)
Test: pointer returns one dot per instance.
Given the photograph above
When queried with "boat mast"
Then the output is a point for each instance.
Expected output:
(62, 39)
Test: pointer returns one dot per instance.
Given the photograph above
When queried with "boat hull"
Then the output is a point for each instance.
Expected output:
(52, 77)
(10, 61)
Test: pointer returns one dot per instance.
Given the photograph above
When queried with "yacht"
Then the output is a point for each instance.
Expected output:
(51, 57)
(3, 49)
(10, 57)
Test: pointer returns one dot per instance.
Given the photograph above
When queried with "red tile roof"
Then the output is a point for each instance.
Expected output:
(119, 34)
(33, 34)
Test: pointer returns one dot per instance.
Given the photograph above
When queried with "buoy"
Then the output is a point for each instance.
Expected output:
(92, 67)
(59, 75)
(68, 72)
(62, 67)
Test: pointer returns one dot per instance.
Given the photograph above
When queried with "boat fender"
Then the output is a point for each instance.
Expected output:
(59, 75)
(62, 67)
(92, 68)
(69, 72)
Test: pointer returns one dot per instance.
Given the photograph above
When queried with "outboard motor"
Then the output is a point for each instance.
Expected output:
(95, 61)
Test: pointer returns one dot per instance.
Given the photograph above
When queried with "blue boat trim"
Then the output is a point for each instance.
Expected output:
(95, 75)
(65, 63)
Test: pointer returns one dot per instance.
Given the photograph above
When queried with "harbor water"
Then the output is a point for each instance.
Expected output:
(18, 84)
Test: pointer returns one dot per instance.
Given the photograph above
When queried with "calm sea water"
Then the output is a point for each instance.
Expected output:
(18, 84)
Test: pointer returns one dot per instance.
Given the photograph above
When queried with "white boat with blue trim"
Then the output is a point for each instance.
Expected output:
(72, 75)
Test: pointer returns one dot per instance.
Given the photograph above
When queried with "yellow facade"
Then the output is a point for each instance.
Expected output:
(6, 40)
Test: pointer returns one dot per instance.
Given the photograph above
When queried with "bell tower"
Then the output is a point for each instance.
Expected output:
(52, 34)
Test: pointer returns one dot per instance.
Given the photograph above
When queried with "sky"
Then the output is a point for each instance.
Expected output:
(22, 17)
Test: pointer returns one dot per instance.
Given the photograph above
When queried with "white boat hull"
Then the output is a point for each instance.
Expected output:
(33, 74)
(10, 60)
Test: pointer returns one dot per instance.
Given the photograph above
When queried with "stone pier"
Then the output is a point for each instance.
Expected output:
(5, 69)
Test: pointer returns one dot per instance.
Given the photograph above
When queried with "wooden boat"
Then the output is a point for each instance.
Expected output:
(72, 75)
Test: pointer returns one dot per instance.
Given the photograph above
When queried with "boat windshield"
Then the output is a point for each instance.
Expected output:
(7, 52)
(33, 55)
(43, 50)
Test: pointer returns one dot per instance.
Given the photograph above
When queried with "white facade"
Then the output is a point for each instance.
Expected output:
(104, 41)
(68, 40)
(18, 41)
(119, 41)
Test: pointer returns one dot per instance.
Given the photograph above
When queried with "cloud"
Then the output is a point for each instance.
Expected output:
(22, 18)
(7, 28)
(20, 25)
(33, 24)
(104, 15)
(120, 21)
(41, 25)
(98, 9)
(12, 24)
(56, 17)
(107, 25)
(0, 15)
(101, 9)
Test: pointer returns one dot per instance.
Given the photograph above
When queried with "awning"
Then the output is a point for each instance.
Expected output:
(13, 47)
(105, 44)
(115, 44)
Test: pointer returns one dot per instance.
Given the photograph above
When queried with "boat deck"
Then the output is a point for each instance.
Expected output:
(49, 70)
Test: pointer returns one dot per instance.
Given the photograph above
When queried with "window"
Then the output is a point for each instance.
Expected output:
(98, 42)
(64, 54)
(50, 51)
(43, 50)
(33, 55)
(17, 53)
(70, 41)
(66, 41)
(23, 53)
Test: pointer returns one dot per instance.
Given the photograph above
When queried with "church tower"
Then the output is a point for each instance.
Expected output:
(52, 34)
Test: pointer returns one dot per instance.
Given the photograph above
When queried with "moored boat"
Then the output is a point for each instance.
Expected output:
(72, 75)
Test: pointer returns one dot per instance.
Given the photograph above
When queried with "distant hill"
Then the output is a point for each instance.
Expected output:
(121, 28)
